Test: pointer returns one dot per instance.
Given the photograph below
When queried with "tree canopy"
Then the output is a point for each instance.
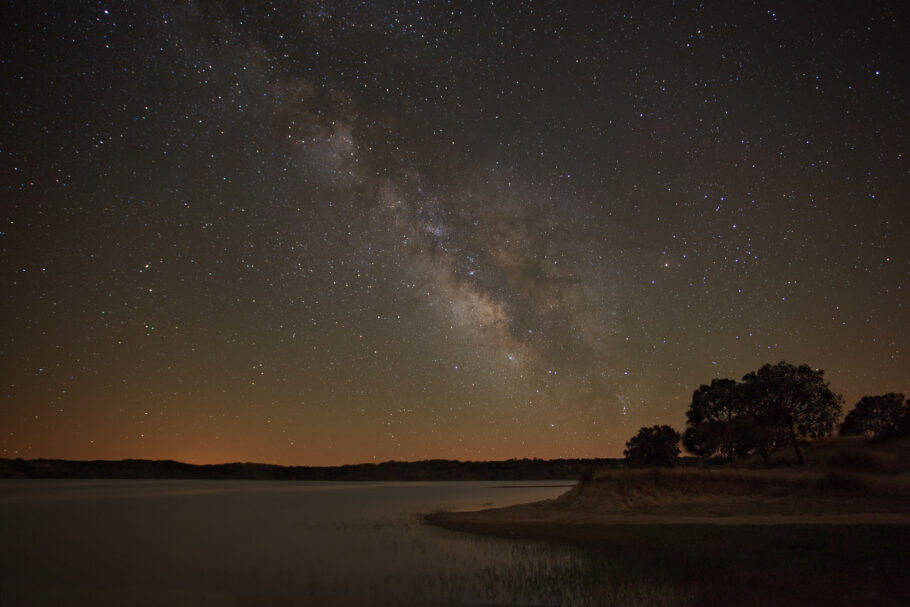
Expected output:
(777, 405)
(714, 421)
(877, 416)
(653, 446)
(793, 402)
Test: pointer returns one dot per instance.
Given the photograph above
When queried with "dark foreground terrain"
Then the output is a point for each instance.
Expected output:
(834, 533)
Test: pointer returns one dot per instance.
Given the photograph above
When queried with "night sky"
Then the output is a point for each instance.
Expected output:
(340, 232)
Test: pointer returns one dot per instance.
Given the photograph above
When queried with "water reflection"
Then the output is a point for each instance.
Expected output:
(237, 543)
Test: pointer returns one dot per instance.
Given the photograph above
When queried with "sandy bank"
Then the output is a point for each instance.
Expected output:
(700, 497)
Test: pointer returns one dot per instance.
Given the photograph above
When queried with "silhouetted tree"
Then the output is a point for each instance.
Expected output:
(763, 431)
(654, 446)
(787, 403)
(716, 421)
(877, 416)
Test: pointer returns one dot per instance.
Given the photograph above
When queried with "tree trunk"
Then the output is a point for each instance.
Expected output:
(799, 453)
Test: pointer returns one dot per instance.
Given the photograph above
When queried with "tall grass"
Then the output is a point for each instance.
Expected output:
(656, 485)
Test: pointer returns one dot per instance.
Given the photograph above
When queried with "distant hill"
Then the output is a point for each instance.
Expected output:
(427, 470)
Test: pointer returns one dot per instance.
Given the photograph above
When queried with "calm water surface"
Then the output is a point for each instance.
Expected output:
(272, 543)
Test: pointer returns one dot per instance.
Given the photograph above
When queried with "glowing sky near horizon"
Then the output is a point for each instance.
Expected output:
(339, 232)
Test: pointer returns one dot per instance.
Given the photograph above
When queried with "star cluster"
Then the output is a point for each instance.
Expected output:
(334, 232)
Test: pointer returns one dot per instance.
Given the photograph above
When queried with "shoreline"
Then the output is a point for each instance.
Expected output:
(675, 498)
(741, 557)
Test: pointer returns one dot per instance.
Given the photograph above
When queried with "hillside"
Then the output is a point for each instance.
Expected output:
(427, 470)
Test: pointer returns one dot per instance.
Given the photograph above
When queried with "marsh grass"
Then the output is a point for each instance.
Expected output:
(722, 565)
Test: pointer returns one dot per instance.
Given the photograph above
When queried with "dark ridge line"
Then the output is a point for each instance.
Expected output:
(426, 470)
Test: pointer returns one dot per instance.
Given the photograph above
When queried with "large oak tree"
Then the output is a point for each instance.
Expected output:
(788, 404)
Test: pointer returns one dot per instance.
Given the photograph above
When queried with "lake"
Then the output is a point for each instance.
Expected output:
(172, 542)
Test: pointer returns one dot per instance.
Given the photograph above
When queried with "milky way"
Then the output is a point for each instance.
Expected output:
(321, 233)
